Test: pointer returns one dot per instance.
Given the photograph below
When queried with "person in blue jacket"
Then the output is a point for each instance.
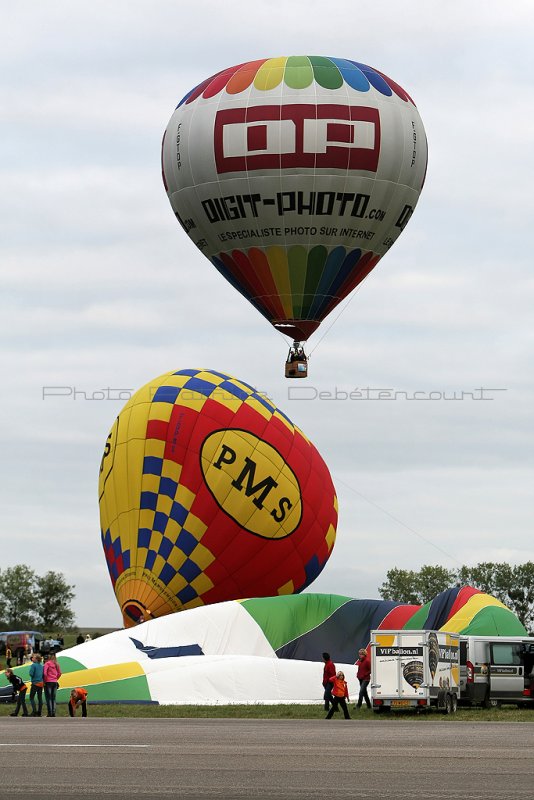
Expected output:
(37, 683)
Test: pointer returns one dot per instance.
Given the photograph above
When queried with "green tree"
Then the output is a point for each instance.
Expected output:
(29, 601)
(433, 580)
(407, 586)
(52, 602)
(17, 596)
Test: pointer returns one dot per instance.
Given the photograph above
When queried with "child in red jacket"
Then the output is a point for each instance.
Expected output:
(340, 693)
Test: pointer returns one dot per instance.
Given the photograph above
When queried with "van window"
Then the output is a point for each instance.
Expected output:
(506, 653)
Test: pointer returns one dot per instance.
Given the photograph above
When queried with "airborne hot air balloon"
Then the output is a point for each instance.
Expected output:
(294, 176)
(208, 492)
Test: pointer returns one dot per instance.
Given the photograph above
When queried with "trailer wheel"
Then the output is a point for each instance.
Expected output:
(454, 703)
(448, 705)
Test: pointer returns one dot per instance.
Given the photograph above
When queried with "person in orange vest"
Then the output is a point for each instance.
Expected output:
(78, 697)
(340, 693)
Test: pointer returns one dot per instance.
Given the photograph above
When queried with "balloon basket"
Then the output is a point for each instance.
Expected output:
(296, 369)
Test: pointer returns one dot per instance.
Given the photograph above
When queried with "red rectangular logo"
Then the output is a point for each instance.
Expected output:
(297, 135)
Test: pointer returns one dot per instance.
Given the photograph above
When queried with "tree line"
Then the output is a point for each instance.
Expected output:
(35, 602)
(512, 585)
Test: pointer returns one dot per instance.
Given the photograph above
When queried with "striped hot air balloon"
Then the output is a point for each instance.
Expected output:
(294, 176)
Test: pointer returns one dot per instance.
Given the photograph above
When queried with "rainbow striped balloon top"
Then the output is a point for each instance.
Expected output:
(297, 72)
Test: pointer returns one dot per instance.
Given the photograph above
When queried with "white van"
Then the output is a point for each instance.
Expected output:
(495, 670)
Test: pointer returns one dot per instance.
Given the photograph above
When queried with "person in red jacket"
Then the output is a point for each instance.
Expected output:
(329, 672)
(364, 676)
(340, 691)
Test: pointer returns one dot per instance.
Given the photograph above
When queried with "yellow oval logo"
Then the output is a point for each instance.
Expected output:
(252, 483)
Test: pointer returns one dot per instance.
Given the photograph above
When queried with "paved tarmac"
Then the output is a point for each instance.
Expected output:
(279, 760)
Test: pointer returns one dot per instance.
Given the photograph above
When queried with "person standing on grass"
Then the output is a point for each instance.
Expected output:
(329, 672)
(37, 683)
(51, 675)
(78, 697)
(9, 656)
(340, 691)
(364, 676)
(19, 688)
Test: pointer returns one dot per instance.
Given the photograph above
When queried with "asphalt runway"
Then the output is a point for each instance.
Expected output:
(279, 760)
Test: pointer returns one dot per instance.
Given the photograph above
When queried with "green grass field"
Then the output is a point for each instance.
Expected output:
(504, 714)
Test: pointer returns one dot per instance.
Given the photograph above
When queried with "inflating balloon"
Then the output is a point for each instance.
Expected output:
(208, 492)
(294, 176)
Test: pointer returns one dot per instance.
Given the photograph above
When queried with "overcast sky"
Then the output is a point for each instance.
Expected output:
(101, 289)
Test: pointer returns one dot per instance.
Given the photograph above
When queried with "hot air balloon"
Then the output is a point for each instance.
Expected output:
(413, 673)
(294, 176)
(433, 654)
(208, 492)
(275, 643)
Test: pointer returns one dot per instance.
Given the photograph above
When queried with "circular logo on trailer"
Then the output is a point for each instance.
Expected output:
(251, 482)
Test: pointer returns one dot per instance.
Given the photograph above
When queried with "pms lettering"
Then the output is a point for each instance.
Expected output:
(245, 482)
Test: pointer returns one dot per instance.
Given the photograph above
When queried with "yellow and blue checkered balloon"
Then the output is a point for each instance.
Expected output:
(208, 492)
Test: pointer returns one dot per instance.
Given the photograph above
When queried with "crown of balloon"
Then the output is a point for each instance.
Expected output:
(297, 72)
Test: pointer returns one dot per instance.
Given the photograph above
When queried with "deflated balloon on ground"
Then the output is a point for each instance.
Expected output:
(262, 650)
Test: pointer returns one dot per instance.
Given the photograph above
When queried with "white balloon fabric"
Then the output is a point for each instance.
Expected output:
(211, 655)
(261, 650)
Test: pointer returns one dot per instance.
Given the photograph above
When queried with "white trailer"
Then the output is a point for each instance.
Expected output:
(415, 669)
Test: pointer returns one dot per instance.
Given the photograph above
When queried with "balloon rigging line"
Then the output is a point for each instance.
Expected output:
(351, 298)
(398, 521)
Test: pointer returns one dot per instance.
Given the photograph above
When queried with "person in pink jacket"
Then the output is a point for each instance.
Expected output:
(51, 675)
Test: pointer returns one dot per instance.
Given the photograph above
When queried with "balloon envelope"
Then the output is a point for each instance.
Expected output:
(208, 492)
(273, 643)
(294, 176)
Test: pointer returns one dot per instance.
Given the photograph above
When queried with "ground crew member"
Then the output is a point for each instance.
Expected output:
(78, 697)
(19, 688)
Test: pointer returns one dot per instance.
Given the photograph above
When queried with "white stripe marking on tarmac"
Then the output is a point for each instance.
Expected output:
(40, 744)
